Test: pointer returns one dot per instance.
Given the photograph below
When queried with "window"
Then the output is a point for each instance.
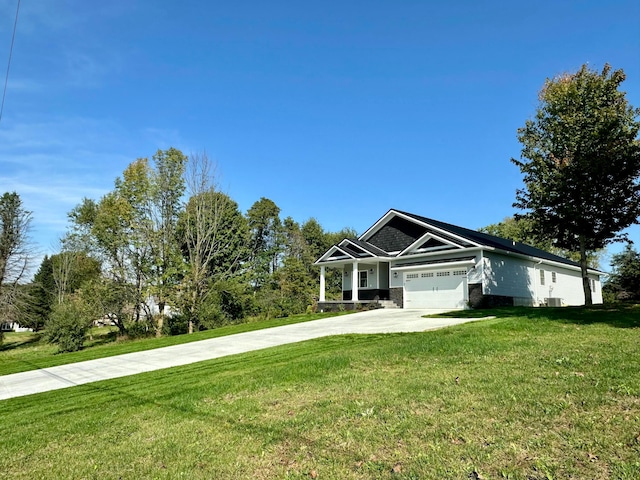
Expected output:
(593, 284)
(541, 277)
(553, 277)
(443, 274)
(363, 279)
(459, 273)
(427, 275)
(412, 275)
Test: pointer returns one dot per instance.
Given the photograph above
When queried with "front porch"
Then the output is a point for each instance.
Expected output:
(362, 282)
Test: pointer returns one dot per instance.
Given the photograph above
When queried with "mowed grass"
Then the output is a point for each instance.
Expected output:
(532, 394)
(24, 351)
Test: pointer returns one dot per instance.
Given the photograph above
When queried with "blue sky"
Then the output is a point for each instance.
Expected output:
(334, 110)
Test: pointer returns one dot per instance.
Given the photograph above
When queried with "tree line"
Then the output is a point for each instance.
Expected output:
(167, 240)
(167, 252)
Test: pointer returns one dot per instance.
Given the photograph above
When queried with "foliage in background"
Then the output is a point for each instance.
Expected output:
(581, 163)
(167, 252)
(624, 282)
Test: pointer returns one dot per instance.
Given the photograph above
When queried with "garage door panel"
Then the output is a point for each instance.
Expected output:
(440, 289)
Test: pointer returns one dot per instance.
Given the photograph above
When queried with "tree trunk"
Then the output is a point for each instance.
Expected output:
(588, 301)
(160, 325)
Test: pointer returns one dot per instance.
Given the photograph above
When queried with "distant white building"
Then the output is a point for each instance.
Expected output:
(13, 327)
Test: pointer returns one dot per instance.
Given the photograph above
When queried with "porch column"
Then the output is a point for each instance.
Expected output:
(355, 281)
(322, 283)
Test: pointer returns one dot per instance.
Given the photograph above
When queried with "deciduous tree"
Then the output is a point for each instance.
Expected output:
(581, 163)
(266, 247)
(214, 237)
(167, 186)
(132, 229)
(15, 254)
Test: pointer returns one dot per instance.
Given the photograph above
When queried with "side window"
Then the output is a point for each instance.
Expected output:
(363, 279)
(553, 277)
(541, 277)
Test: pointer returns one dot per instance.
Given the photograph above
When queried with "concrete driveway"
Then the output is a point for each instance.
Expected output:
(64, 376)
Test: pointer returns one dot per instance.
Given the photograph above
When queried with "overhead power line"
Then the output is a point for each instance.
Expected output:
(6, 79)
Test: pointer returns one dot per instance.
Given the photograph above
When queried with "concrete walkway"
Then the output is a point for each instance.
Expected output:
(64, 376)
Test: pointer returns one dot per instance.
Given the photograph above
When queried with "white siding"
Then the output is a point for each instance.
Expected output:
(508, 276)
(395, 279)
(346, 278)
(596, 294)
(475, 275)
(521, 279)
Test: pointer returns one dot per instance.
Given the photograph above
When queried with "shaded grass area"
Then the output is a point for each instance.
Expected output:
(25, 351)
(520, 397)
(620, 316)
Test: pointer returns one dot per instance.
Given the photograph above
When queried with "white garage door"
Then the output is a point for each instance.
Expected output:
(434, 289)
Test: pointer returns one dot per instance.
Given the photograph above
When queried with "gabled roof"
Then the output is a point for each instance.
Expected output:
(399, 234)
(367, 246)
(492, 241)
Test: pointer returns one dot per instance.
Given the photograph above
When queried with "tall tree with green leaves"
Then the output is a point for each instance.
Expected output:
(581, 163)
(133, 231)
(167, 187)
(266, 247)
(102, 226)
(117, 226)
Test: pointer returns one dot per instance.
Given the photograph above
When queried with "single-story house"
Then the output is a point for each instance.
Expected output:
(417, 262)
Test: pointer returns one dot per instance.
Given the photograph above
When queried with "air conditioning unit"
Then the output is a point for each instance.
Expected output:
(554, 302)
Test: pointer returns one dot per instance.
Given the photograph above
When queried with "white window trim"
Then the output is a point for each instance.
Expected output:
(366, 278)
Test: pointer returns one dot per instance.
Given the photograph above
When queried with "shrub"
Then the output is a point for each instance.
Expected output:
(68, 324)
(175, 325)
(140, 329)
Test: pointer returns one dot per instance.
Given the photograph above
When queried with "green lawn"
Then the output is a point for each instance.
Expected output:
(25, 351)
(531, 394)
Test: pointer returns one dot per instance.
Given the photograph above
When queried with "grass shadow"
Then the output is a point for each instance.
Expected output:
(14, 345)
(618, 315)
(102, 339)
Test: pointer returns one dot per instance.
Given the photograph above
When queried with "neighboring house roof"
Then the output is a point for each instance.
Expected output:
(400, 234)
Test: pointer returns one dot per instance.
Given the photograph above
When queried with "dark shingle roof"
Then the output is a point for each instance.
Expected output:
(369, 247)
(487, 240)
(397, 234)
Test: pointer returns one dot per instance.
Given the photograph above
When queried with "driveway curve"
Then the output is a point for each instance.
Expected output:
(64, 376)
